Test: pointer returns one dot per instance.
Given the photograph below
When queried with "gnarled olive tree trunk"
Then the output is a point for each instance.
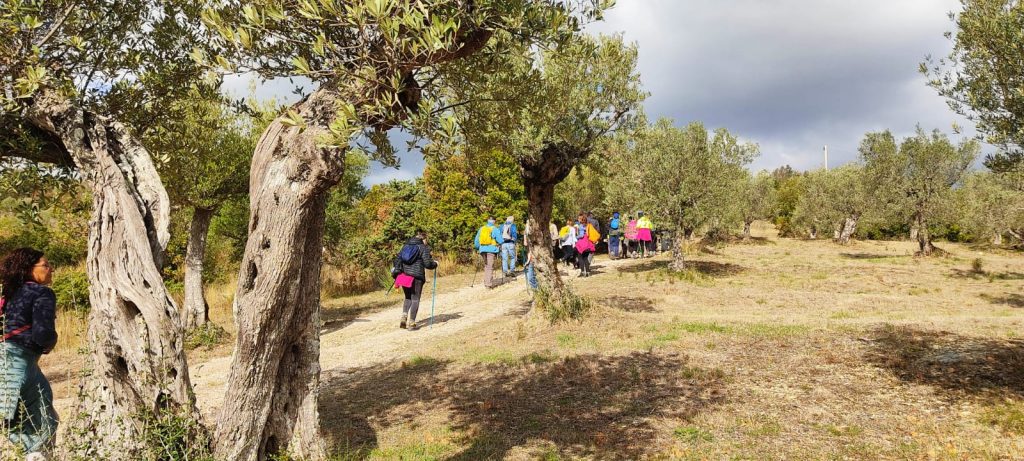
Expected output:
(540, 198)
(849, 228)
(746, 229)
(678, 263)
(138, 365)
(540, 175)
(924, 238)
(271, 400)
(197, 310)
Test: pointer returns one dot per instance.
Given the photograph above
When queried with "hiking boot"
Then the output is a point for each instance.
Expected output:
(402, 324)
(413, 326)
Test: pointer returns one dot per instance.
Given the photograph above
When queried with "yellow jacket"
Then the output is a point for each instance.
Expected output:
(644, 223)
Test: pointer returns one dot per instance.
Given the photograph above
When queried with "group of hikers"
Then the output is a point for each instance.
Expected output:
(574, 244)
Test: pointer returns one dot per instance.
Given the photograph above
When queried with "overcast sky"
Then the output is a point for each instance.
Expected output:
(790, 75)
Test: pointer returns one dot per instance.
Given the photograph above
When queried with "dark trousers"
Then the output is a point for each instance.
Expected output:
(584, 259)
(412, 299)
(569, 254)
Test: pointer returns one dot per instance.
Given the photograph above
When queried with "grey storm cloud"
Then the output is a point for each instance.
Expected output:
(791, 75)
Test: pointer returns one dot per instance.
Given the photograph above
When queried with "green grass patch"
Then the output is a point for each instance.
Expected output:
(420, 361)
(662, 334)
(1008, 417)
(693, 434)
(773, 330)
(491, 356)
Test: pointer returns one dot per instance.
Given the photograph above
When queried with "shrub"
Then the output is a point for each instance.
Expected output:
(571, 306)
(207, 335)
(71, 285)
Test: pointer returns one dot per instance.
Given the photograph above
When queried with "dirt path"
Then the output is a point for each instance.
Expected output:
(375, 337)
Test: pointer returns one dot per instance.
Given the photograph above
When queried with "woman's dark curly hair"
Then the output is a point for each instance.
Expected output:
(16, 269)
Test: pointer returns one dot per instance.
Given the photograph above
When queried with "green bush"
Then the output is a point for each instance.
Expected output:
(571, 306)
(174, 437)
(206, 336)
(71, 285)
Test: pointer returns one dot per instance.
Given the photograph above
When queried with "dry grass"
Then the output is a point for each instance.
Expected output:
(790, 350)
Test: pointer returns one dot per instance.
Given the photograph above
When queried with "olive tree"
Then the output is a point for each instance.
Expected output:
(833, 201)
(683, 177)
(202, 154)
(983, 76)
(70, 70)
(373, 65)
(915, 180)
(989, 208)
(551, 109)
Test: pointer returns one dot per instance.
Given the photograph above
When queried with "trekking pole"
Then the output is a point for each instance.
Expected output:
(433, 297)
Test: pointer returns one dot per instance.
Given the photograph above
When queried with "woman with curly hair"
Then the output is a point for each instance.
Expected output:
(29, 317)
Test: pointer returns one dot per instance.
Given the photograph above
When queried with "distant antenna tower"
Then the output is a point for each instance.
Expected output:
(826, 157)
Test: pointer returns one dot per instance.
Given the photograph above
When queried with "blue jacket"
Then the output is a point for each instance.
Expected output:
(35, 305)
(495, 234)
(514, 233)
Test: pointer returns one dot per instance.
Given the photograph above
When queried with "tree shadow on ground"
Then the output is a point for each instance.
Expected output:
(1010, 299)
(959, 365)
(986, 275)
(589, 406)
(869, 256)
(336, 318)
(709, 268)
(630, 304)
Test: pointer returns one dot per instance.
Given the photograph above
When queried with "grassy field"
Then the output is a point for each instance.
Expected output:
(773, 349)
(778, 349)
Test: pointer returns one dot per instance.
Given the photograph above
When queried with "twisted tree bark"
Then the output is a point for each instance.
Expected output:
(271, 401)
(540, 176)
(849, 228)
(138, 365)
(540, 198)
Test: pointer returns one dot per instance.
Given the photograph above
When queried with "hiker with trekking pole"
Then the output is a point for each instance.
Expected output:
(410, 271)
